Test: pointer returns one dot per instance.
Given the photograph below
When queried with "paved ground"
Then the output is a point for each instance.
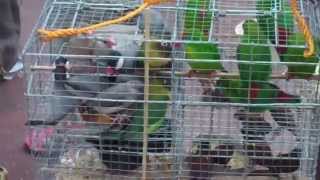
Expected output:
(12, 110)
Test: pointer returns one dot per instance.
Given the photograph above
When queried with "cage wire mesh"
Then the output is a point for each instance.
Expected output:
(230, 94)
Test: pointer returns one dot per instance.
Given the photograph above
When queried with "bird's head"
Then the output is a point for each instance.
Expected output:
(62, 66)
(245, 26)
(110, 42)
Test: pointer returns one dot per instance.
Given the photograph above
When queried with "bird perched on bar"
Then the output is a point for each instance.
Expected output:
(128, 92)
(62, 101)
(203, 58)
(251, 49)
(236, 91)
(129, 138)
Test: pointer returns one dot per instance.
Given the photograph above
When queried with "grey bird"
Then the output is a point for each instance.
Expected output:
(61, 102)
(127, 93)
(122, 46)
(89, 85)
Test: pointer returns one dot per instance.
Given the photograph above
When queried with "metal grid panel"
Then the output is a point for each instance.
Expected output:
(194, 113)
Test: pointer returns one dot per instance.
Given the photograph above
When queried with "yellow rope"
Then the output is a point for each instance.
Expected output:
(48, 35)
(304, 28)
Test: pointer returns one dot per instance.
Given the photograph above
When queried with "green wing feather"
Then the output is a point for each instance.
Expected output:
(198, 16)
(157, 112)
(202, 57)
(250, 50)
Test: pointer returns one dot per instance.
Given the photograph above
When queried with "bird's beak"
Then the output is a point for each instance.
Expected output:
(120, 63)
(239, 28)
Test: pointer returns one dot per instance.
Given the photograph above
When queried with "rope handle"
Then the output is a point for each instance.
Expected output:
(49, 35)
(304, 28)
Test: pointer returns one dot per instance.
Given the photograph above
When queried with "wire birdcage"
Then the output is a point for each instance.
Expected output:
(190, 89)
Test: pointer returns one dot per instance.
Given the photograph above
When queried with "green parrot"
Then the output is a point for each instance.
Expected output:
(295, 54)
(157, 112)
(266, 21)
(268, 93)
(250, 50)
(198, 16)
(285, 22)
(202, 57)
(160, 55)
(237, 91)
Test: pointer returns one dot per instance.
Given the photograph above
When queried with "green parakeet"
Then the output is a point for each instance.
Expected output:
(267, 93)
(122, 149)
(266, 21)
(159, 54)
(202, 57)
(257, 68)
(157, 112)
(285, 22)
(295, 54)
(237, 91)
(198, 16)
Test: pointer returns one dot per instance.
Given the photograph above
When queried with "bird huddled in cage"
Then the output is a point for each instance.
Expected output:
(236, 91)
(285, 22)
(123, 96)
(61, 102)
(203, 58)
(251, 49)
(287, 39)
(126, 142)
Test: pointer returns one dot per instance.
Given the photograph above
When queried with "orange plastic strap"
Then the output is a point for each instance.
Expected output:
(304, 28)
(49, 35)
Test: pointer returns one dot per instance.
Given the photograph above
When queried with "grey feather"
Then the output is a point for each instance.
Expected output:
(87, 85)
(130, 91)
(61, 106)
